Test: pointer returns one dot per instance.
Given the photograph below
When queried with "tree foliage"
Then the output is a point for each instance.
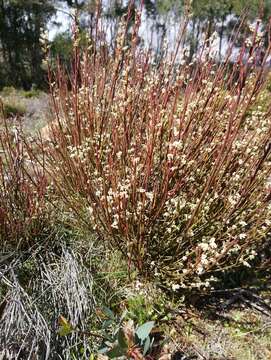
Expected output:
(21, 24)
(22, 21)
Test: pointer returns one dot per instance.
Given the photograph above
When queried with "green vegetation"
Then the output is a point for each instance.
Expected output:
(62, 48)
(20, 28)
(11, 109)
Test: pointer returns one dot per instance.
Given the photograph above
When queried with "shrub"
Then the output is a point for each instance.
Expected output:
(165, 161)
(61, 47)
(33, 93)
(8, 90)
(24, 217)
(11, 109)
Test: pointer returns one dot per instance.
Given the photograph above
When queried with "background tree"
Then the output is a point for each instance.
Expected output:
(21, 24)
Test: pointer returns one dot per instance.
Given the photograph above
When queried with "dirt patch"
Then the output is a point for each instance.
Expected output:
(239, 331)
(34, 111)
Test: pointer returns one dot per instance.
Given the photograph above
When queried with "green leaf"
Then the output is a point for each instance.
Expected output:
(103, 350)
(122, 340)
(107, 323)
(65, 327)
(144, 330)
(109, 313)
(116, 352)
(123, 316)
(65, 330)
(147, 345)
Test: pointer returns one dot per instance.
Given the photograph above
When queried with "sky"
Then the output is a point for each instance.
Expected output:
(62, 18)
(148, 31)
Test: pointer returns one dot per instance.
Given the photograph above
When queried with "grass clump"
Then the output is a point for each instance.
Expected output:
(11, 109)
(29, 94)
(8, 90)
(60, 287)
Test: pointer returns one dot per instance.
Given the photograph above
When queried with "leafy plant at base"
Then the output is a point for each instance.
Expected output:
(120, 338)
(149, 304)
(126, 340)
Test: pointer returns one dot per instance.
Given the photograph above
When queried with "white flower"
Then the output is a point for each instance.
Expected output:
(149, 195)
(182, 203)
(114, 225)
(204, 246)
(90, 209)
(177, 144)
(190, 233)
(246, 264)
(242, 236)
(213, 243)
(203, 259)
(115, 222)
(175, 287)
(141, 190)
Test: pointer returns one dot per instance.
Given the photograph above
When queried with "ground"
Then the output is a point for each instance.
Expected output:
(238, 333)
(31, 107)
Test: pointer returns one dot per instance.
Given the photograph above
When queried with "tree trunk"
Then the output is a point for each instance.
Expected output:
(221, 33)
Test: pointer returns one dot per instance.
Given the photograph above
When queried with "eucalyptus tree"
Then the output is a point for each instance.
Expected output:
(221, 16)
(21, 25)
